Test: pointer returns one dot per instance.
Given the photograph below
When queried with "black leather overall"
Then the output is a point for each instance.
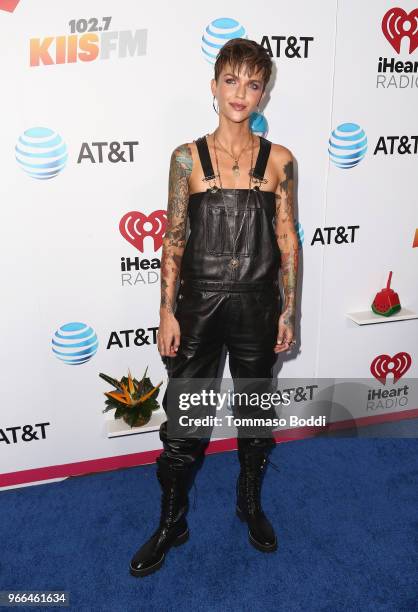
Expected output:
(221, 306)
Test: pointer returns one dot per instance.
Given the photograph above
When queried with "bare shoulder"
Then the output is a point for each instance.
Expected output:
(282, 162)
(195, 173)
(281, 155)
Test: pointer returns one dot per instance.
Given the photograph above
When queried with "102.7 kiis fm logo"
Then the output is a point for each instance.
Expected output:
(89, 40)
(42, 153)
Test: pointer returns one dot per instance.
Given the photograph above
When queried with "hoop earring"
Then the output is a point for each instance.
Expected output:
(213, 104)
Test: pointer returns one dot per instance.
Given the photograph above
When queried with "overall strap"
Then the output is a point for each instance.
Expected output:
(262, 159)
(203, 150)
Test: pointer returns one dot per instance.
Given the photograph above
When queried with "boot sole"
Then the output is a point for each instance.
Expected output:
(181, 539)
(255, 543)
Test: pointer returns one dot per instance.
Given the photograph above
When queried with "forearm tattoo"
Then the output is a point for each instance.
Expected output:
(287, 241)
(174, 240)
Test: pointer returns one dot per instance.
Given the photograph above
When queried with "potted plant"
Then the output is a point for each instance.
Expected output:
(133, 400)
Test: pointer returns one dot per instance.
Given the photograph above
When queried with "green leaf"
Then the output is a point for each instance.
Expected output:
(111, 380)
(152, 402)
(120, 411)
(108, 408)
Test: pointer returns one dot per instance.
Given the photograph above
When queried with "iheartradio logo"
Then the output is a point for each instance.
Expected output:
(397, 23)
(398, 365)
(135, 226)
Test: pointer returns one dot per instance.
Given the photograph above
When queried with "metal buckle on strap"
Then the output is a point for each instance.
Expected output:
(210, 177)
(260, 179)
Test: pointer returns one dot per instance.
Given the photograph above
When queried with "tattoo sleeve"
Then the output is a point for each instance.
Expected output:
(287, 240)
(175, 236)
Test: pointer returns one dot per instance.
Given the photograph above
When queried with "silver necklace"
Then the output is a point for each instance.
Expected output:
(235, 167)
(234, 262)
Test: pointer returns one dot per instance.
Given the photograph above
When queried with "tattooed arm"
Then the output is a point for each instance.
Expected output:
(288, 244)
(175, 236)
(174, 241)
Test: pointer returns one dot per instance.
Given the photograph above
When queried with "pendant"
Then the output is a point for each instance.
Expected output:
(235, 169)
(234, 262)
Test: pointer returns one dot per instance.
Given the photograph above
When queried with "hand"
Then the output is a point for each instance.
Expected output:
(168, 335)
(285, 331)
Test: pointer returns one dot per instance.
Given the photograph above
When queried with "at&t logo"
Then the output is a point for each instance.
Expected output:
(217, 33)
(347, 145)
(41, 153)
(74, 343)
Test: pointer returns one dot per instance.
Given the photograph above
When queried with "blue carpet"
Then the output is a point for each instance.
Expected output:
(345, 513)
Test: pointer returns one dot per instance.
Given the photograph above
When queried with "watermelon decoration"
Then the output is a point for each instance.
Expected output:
(386, 302)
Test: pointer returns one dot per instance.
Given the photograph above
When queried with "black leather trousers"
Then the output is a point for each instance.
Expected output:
(213, 315)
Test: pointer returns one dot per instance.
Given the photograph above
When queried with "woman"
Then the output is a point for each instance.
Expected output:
(236, 188)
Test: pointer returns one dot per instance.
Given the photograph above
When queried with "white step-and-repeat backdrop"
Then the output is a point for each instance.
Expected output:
(94, 99)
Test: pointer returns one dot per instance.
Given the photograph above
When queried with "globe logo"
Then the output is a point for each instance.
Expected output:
(300, 233)
(217, 33)
(41, 153)
(258, 124)
(74, 343)
(347, 145)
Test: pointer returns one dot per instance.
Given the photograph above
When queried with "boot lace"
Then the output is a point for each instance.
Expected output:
(171, 500)
(250, 481)
(195, 487)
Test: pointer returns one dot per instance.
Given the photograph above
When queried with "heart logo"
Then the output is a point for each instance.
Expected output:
(135, 226)
(397, 365)
(396, 24)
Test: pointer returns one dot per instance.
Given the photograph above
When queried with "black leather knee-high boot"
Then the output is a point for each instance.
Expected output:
(252, 454)
(172, 530)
